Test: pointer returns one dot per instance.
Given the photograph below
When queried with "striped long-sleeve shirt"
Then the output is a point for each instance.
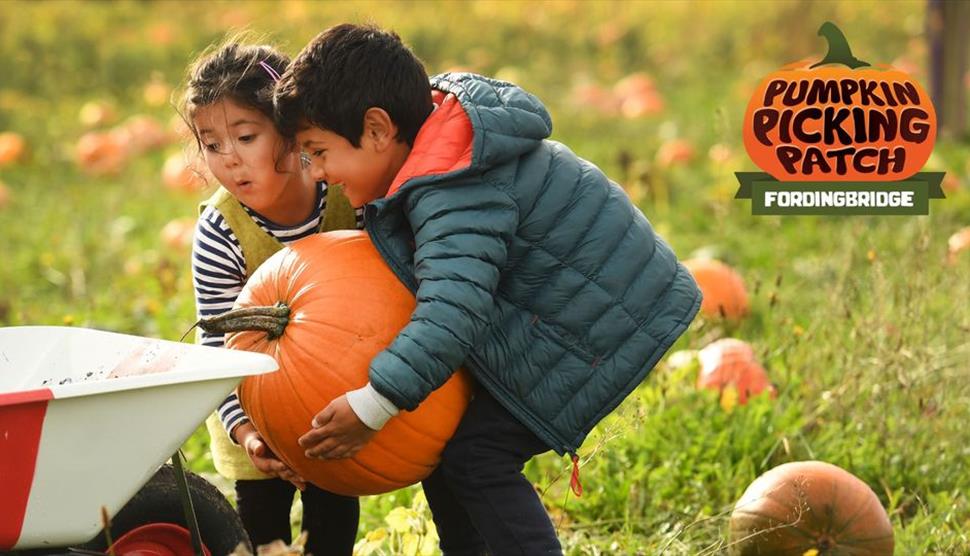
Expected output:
(219, 273)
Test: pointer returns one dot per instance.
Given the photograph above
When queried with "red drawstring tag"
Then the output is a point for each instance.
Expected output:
(574, 483)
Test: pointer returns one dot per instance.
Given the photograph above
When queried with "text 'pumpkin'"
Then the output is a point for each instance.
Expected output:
(839, 119)
(345, 306)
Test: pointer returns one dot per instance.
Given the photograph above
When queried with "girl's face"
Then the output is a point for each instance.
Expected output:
(241, 146)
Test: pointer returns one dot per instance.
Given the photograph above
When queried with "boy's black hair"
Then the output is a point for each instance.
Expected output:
(234, 72)
(346, 70)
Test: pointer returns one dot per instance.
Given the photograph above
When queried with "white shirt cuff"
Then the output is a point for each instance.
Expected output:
(371, 407)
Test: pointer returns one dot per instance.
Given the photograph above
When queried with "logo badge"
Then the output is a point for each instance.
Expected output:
(839, 136)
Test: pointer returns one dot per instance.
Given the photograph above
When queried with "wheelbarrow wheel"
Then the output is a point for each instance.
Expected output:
(159, 502)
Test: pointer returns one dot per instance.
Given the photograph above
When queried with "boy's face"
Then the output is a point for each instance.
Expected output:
(366, 172)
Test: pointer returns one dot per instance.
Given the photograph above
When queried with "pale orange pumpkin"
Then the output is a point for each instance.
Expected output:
(144, 133)
(181, 175)
(723, 289)
(731, 363)
(958, 242)
(675, 152)
(96, 114)
(344, 306)
(12, 146)
(101, 153)
(156, 92)
(720, 153)
(637, 96)
(810, 507)
(178, 233)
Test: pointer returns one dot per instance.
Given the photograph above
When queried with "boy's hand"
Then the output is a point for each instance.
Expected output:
(337, 432)
(262, 457)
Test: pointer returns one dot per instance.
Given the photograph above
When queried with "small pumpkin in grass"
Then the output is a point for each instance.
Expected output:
(729, 363)
(180, 175)
(675, 152)
(637, 96)
(799, 507)
(178, 233)
(144, 133)
(100, 153)
(958, 242)
(339, 306)
(97, 113)
(12, 147)
(724, 292)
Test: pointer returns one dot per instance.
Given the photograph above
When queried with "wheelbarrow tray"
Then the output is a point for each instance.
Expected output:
(88, 416)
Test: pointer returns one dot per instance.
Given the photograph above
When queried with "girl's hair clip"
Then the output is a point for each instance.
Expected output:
(304, 160)
(269, 69)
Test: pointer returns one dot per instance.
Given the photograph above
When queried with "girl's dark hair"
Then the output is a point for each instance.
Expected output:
(234, 72)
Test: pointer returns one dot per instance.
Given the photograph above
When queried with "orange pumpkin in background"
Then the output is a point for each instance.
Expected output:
(178, 233)
(839, 119)
(724, 292)
(144, 133)
(100, 153)
(180, 175)
(344, 306)
(810, 507)
(97, 113)
(675, 152)
(637, 96)
(730, 363)
(12, 147)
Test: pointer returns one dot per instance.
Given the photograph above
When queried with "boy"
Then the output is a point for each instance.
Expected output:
(530, 268)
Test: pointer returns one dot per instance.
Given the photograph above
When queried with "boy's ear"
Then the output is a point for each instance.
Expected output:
(379, 128)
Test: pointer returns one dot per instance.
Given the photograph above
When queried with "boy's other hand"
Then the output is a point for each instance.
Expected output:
(337, 432)
(263, 458)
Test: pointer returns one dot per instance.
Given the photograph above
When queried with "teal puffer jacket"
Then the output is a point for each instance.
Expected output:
(531, 269)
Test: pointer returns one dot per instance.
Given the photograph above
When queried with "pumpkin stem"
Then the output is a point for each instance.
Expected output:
(272, 320)
(839, 51)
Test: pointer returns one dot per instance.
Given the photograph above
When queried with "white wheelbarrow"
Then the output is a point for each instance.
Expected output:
(87, 418)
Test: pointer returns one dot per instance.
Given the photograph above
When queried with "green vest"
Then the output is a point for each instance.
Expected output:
(231, 460)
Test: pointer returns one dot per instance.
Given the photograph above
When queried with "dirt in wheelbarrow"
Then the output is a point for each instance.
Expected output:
(148, 357)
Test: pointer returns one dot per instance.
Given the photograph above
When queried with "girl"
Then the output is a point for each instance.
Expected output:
(267, 200)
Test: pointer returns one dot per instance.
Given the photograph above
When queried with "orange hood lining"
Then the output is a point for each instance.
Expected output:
(443, 144)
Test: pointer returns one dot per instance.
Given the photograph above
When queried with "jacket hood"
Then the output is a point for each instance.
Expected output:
(478, 124)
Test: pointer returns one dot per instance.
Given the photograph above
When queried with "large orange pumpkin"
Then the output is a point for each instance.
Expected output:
(345, 306)
(839, 119)
(797, 507)
(723, 288)
(731, 363)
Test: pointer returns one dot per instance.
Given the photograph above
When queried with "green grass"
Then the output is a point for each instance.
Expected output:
(858, 320)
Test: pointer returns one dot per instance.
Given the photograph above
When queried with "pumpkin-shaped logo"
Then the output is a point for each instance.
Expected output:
(839, 119)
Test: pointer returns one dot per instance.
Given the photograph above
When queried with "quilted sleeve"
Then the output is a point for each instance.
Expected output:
(461, 234)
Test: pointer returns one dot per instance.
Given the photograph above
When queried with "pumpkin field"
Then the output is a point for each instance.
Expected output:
(840, 339)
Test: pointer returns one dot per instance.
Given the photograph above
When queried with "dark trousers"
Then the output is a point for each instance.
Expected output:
(329, 519)
(479, 498)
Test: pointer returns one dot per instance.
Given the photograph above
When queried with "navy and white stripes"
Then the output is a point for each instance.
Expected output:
(219, 273)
